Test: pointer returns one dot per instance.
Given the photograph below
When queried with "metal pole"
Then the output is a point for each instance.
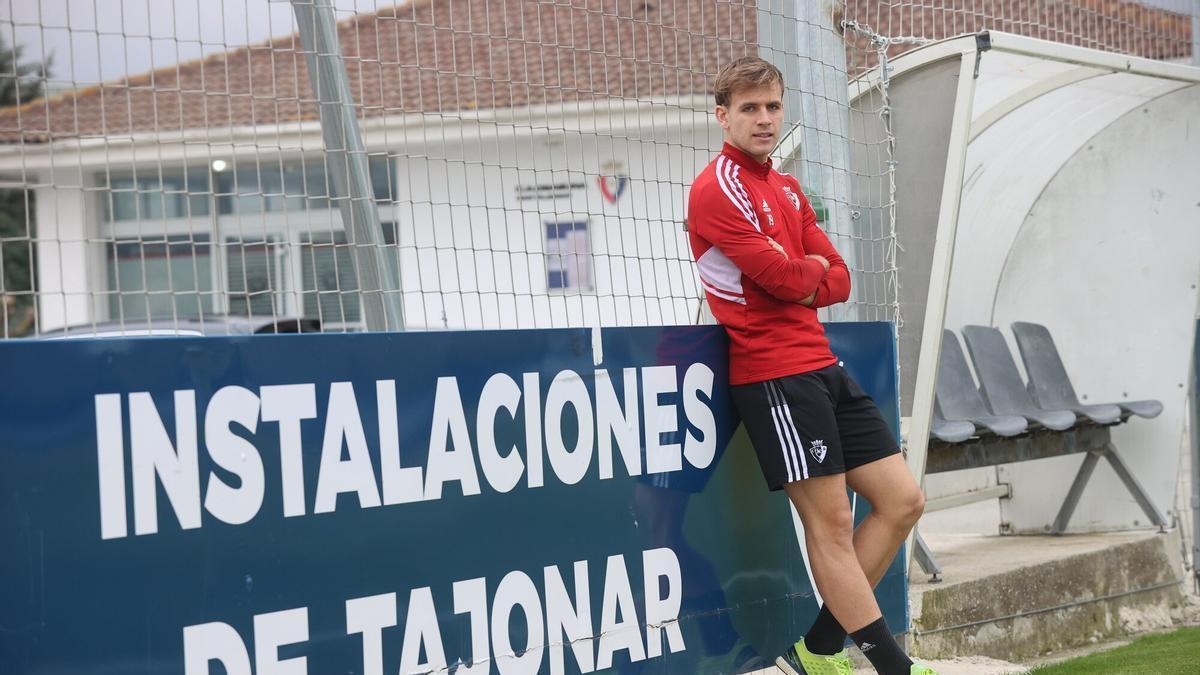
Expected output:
(1196, 32)
(804, 40)
(349, 180)
(1195, 434)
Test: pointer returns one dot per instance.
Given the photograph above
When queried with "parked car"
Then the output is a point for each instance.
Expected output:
(213, 324)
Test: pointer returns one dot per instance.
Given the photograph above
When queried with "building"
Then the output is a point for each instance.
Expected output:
(529, 162)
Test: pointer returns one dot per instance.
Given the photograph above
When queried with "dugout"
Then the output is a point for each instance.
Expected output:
(1049, 183)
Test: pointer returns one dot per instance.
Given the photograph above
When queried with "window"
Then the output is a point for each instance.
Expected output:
(330, 282)
(330, 278)
(251, 264)
(267, 187)
(568, 256)
(160, 278)
(147, 194)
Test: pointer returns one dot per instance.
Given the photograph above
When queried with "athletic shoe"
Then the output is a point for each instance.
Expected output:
(918, 669)
(799, 661)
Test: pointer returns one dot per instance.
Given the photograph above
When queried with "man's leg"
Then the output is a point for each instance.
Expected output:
(896, 504)
(829, 533)
(828, 529)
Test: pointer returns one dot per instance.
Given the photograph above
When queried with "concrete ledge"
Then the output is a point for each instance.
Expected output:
(1128, 585)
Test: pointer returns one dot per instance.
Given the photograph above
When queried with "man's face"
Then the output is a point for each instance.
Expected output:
(752, 119)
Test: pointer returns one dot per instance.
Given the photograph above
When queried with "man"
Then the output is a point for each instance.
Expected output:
(766, 267)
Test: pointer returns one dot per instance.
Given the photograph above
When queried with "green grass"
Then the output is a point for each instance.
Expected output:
(1175, 652)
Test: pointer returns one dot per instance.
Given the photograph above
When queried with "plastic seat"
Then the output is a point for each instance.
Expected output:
(950, 432)
(1000, 382)
(1050, 384)
(957, 398)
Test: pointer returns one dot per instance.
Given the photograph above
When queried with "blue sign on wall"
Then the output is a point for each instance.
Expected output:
(478, 502)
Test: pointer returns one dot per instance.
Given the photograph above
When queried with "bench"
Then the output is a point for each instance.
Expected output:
(1014, 421)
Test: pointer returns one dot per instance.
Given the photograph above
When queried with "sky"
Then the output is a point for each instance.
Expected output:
(92, 41)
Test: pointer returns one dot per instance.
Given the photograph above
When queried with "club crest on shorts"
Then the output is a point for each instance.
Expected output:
(818, 450)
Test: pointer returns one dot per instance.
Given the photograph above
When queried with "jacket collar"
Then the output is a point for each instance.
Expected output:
(747, 162)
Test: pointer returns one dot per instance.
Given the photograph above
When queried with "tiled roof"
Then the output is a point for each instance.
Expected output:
(450, 55)
(1124, 26)
(423, 56)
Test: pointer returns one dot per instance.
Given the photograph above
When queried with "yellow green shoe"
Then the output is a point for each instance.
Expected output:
(799, 661)
(918, 669)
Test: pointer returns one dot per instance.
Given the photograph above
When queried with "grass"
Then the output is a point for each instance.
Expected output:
(1162, 654)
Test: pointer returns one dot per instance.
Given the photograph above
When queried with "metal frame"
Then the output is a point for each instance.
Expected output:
(939, 277)
(1085, 473)
(349, 181)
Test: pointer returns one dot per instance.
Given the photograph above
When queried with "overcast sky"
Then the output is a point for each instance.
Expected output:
(99, 40)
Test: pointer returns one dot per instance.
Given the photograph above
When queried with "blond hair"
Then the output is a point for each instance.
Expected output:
(748, 72)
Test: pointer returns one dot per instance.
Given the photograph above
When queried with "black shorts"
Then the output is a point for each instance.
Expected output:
(812, 424)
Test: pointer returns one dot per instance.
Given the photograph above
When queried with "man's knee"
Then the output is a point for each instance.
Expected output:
(834, 525)
(905, 507)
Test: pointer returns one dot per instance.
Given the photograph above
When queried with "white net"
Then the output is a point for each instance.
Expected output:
(508, 163)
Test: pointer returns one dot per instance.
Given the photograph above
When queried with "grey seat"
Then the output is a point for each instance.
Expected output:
(957, 398)
(1052, 387)
(1000, 382)
(950, 432)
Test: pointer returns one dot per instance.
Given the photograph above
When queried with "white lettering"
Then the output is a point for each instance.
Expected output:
(503, 472)
(618, 633)
(470, 597)
(612, 422)
(660, 419)
(288, 404)
(155, 456)
(449, 422)
(533, 427)
(699, 451)
(400, 485)
(275, 630)
(234, 454)
(355, 474)
(517, 589)
(369, 616)
(575, 622)
(214, 641)
(569, 465)
(662, 611)
(110, 461)
(421, 627)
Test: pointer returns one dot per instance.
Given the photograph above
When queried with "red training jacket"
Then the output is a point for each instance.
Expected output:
(753, 290)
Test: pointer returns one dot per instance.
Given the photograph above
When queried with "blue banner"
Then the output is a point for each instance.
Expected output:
(546, 501)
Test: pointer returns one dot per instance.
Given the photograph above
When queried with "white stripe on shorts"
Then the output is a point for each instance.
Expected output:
(790, 425)
(786, 442)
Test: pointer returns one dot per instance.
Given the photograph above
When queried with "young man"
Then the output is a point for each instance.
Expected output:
(766, 268)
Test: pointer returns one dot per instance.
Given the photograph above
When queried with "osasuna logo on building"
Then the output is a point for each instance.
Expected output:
(613, 181)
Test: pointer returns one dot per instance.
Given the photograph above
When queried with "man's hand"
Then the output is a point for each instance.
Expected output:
(778, 247)
(821, 258)
(807, 302)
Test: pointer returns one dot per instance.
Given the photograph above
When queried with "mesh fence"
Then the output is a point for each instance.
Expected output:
(511, 163)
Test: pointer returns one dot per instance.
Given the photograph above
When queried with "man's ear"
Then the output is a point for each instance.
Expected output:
(722, 114)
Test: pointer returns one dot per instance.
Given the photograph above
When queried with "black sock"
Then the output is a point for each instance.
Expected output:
(877, 644)
(826, 635)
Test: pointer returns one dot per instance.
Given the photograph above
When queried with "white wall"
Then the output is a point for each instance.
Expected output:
(474, 250)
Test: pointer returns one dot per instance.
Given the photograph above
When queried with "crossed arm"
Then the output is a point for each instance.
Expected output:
(818, 279)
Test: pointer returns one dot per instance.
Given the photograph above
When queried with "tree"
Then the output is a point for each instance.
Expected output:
(20, 82)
